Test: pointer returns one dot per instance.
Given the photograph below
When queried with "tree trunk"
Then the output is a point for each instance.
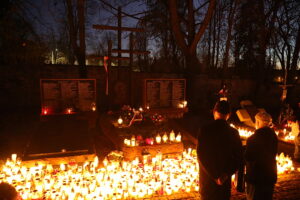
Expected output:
(209, 46)
(262, 41)
(81, 49)
(229, 36)
(295, 56)
(218, 38)
(213, 56)
(191, 22)
(72, 32)
(192, 60)
(189, 49)
(188, 45)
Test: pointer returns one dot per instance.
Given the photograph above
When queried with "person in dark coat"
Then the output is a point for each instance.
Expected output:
(260, 158)
(219, 153)
(8, 192)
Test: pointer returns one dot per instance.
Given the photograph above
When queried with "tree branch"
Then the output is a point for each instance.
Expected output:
(126, 14)
(179, 37)
(202, 28)
(201, 6)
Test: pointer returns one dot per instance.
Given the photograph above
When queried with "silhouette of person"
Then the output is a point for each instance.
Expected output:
(7, 192)
(260, 158)
(295, 130)
(219, 153)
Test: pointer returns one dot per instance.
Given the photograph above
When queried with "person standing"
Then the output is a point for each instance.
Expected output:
(260, 158)
(296, 133)
(8, 192)
(219, 153)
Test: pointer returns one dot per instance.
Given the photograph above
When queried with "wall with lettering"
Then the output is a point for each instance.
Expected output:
(65, 96)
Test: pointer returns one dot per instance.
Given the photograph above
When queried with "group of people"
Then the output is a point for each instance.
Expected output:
(221, 154)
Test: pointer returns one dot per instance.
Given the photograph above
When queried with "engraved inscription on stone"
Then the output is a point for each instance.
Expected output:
(164, 93)
(59, 95)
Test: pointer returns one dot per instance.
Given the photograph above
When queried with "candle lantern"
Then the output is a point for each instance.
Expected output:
(120, 121)
(145, 159)
(69, 111)
(149, 141)
(93, 106)
(127, 142)
(105, 162)
(180, 105)
(62, 167)
(178, 137)
(96, 161)
(45, 111)
(284, 131)
(184, 103)
(14, 157)
(158, 139)
(172, 136)
(133, 141)
(165, 138)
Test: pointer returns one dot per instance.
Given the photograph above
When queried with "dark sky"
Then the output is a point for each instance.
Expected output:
(48, 15)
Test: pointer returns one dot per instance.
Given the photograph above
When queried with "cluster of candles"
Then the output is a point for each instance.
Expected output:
(116, 180)
(172, 138)
(284, 164)
(244, 133)
(288, 136)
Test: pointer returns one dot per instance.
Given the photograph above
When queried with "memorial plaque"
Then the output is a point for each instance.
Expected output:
(164, 93)
(57, 95)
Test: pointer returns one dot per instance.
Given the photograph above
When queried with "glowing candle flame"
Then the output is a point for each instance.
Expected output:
(158, 139)
(178, 137)
(116, 180)
(165, 138)
(120, 121)
(14, 157)
(172, 136)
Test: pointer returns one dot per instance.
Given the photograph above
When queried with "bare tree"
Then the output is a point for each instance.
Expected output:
(77, 19)
(157, 24)
(230, 22)
(286, 39)
(187, 38)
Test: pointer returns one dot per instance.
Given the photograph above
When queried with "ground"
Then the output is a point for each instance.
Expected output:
(26, 134)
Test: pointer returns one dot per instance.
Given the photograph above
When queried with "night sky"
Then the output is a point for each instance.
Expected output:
(48, 14)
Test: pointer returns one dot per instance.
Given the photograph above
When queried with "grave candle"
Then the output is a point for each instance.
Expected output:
(158, 139)
(172, 136)
(165, 138)
(178, 137)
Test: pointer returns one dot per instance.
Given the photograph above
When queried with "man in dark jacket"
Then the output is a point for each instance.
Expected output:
(219, 153)
(7, 192)
(260, 157)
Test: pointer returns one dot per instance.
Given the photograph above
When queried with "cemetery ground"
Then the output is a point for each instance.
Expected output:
(26, 134)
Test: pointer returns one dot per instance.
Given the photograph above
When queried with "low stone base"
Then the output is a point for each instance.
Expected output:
(130, 153)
